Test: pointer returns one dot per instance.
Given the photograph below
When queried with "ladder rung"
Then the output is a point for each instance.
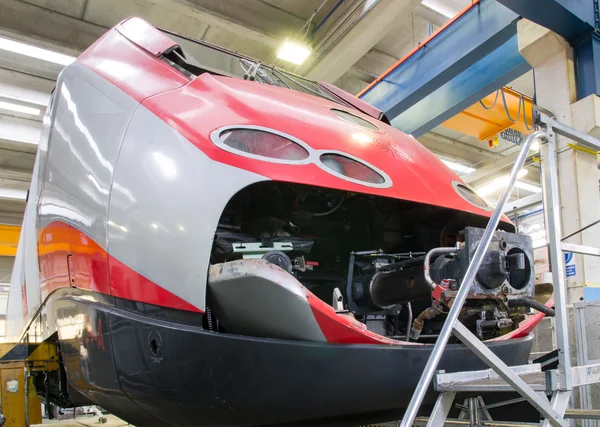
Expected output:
(489, 380)
(583, 414)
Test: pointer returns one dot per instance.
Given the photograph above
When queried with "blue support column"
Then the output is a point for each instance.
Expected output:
(578, 22)
(587, 66)
(572, 19)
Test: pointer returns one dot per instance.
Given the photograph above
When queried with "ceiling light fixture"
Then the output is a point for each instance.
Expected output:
(497, 184)
(293, 51)
(535, 146)
(19, 108)
(35, 52)
(460, 168)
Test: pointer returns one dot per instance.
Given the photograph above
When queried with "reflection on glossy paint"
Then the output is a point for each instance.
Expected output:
(121, 69)
(165, 164)
(154, 225)
(83, 128)
(363, 138)
(52, 207)
(70, 327)
(120, 227)
(97, 185)
(124, 191)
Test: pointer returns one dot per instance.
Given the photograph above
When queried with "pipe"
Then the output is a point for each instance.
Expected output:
(326, 17)
(440, 345)
(427, 314)
(427, 266)
(530, 303)
(410, 321)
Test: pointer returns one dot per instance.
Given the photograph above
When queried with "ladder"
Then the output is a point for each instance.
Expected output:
(528, 380)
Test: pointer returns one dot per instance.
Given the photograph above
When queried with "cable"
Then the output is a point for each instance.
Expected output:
(307, 24)
(506, 108)
(493, 104)
(525, 302)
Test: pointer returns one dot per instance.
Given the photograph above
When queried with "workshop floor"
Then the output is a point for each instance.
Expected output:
(86, 420)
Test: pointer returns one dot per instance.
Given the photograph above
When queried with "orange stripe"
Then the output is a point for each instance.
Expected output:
(69, 258)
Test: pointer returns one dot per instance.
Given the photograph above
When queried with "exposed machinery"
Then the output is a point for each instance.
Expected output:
(206, 250)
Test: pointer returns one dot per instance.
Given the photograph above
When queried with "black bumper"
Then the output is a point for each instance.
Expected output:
(151, 371)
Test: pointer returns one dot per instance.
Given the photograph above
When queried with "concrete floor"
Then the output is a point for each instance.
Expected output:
(86, 420)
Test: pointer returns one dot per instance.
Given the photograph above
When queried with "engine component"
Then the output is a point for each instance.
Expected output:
(338, 300)
(506, 267)
(390, 287)
(525, 302)
(280, 259)
(427, 314)
(378, 282)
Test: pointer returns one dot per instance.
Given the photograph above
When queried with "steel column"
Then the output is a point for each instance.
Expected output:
(557, 261)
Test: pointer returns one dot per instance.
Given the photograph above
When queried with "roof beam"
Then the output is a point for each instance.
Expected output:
(25, 88)
(20, 131)
(48, 26)
(490, 168)
(523, 203)
(21, 175)
(371, 27)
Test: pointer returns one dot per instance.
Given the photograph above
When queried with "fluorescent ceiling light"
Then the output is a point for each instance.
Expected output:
(35, 52)
(11, 193)
(497, 184)
(528, 187)
(458, 167)
(293, 51)
(19, 108)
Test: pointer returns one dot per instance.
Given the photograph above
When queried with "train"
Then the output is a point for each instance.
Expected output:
(246, 248)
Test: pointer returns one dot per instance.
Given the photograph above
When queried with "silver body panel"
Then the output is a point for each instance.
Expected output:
(166, 200)
(114, 171)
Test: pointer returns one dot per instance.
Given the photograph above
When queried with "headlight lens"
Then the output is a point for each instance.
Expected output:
(470, 196)
(263, 144)
(350, 168)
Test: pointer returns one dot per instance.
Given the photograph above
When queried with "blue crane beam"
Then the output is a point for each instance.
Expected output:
(452, 70)
(475, 83)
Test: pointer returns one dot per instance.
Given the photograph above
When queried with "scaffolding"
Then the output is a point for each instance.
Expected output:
(528, 380)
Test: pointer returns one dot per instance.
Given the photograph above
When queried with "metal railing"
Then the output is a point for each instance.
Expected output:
(559, 382)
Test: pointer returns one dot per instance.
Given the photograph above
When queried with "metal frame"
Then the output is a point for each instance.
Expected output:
(583, 358)
(557, 382)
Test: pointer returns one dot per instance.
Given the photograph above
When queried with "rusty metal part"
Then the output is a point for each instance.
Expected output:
(427, 314)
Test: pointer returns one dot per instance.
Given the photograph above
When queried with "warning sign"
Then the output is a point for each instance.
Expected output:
(570, 264)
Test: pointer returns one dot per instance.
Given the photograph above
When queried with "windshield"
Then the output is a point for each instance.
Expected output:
(221, 61)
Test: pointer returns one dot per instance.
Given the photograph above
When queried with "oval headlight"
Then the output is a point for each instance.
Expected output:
(262, 144)
(350, 168)
(470, 196)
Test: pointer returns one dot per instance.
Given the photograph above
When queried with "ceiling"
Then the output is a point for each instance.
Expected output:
(353, 41)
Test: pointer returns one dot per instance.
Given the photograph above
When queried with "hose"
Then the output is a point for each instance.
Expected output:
(525, 302)
(427, 263)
